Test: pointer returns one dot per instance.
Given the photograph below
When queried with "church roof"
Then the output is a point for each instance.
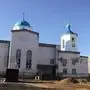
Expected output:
(4, 41)
(84, 56)
(22, 25)
(47, 45)
(69, 52)
(69, 31)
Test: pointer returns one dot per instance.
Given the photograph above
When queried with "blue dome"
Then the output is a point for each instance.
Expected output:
(22, 25)
(68, 26)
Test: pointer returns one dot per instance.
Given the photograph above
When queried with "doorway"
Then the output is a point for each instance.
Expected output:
(47, 72)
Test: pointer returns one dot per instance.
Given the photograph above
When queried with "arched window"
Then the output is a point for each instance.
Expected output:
(28, 59)
(73, 71)
(18, 57)
(63, 43)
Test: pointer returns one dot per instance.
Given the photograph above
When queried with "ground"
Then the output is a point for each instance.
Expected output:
(65, 84)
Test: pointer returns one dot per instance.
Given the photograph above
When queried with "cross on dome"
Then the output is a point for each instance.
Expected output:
(23, 15)
(23, 24)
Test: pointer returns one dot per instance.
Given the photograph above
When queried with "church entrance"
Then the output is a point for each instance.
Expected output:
(47, 72)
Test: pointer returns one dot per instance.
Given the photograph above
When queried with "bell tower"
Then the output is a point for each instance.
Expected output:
(69, 40)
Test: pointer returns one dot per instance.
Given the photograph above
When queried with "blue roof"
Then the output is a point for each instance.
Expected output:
(69, 30)
(23, 23)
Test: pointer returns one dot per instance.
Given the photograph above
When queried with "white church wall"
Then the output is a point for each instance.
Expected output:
(46, 53)
(24, 41)
(4, 48)
(65, 38)
(57, 55)
(81, 66)
(89, 64)
(69, 57)
(66, 45)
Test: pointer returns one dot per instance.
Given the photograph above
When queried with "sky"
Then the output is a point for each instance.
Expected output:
(49, 18)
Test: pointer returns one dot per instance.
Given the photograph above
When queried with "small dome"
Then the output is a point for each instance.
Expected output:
(69, 31)
(22, 25)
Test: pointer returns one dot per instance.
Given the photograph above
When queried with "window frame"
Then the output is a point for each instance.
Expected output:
(74, 71)
(65, 70)
(73, 39)
(63, 41)
(52, 61)
(18, 57)
(28, 59)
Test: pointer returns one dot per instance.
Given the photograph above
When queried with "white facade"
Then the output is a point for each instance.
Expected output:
(24, 40)
(69, 40)
(4, 52)
(43, 56)
(73, 61)
(67, 44)
(46, 53)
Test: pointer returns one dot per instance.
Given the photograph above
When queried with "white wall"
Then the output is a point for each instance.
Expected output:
(45, 53)
(3, 56)
(68, 42)
(69, 57)
(89, 64)
(25, 41)
(81, 67)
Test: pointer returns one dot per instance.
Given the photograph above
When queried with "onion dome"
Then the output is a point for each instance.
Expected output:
(68, 26)
(22, 25)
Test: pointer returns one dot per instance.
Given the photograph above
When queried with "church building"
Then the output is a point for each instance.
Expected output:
(26, 53)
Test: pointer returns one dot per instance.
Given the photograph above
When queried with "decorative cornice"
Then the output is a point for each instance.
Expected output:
(4, 41)
(84, 56)
(24, 30)
(47, 45)
(68, 52)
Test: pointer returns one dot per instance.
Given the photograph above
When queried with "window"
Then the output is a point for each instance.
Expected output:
(73, 71)
(18, 57)
(74, 62)
(52, 61)
(64, 62)
(60, 59)
(63, 43)
(28, 59)
(73, 39)
(81, 60)
(64, 70)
